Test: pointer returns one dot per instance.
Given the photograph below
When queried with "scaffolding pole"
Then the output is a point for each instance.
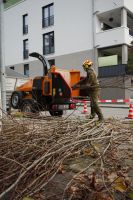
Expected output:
(2, 64)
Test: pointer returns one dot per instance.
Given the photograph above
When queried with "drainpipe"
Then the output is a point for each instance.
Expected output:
(124, 46)
(2, 65)
(95, 52)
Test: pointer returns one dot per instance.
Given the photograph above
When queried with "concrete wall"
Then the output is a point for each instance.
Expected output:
(114, 87)
(68, 61)
(112, 93)
(19, 68)
(35, 68)
(129, 90)
(73, 61)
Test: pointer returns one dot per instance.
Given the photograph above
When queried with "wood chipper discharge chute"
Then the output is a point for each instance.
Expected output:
(51, 92)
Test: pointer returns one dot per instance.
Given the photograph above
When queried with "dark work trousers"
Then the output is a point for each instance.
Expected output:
(95, 109)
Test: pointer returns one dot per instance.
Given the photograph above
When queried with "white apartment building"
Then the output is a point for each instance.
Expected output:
(67, 32)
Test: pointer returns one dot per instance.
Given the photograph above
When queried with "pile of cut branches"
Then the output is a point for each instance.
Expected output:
(34, 151)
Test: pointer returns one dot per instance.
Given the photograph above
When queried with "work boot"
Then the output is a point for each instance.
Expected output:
(101, 119)
(91, 116)
(100, 116)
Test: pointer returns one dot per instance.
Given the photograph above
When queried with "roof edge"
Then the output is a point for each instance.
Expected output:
(13, 5)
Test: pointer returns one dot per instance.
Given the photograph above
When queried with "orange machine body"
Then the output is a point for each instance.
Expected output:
(26, 87)
(70, 76)
(50, 92)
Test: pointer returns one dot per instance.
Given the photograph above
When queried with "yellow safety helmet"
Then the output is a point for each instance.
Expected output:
(87, 64)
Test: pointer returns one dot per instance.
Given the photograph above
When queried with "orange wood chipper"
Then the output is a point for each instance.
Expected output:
(51, 92)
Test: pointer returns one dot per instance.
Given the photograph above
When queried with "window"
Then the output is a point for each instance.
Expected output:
(48, 43)
(12, 67)
(48, 15)
(51, 62)
(26, 69)
(25, 49)
(25, 24)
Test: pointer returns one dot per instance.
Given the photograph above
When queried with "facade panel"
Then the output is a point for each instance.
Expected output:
(73, 26)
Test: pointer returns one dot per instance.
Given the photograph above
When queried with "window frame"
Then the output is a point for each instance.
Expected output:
(25, 50)
(25, 70)
(49, 18)
(25, 26)
(51, 62)
(50, 51)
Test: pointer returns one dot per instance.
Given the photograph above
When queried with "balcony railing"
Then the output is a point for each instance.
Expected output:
(25, 29)
(48, 21)
(26, 54)
(112, 37)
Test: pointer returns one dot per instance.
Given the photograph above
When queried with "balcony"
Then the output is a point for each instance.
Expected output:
(25, 29)
(113, 37)
(46, 22)
(25, 54)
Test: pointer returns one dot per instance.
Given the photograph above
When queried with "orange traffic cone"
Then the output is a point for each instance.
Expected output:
(130, 115)
(85, 108)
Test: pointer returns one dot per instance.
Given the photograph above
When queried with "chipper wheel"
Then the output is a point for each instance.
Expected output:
(16, 99)
(29, 107)
(58, 113)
